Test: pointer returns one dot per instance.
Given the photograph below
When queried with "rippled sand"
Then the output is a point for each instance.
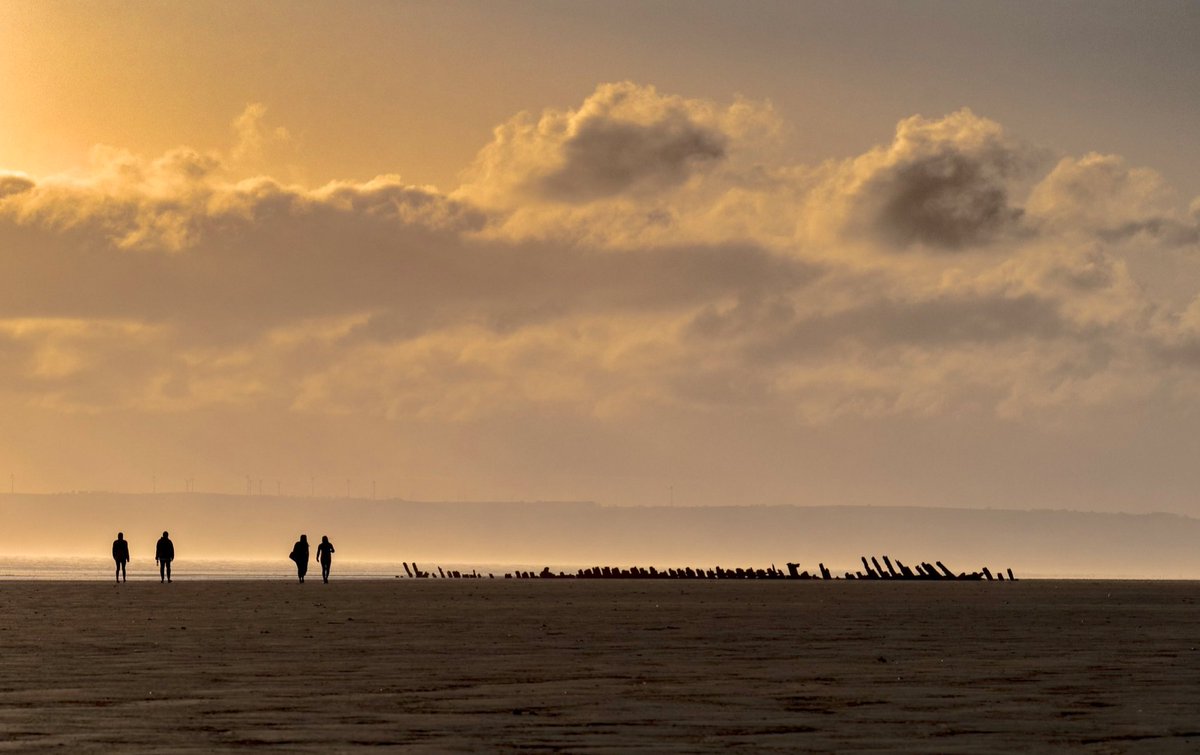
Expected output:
(618, 666)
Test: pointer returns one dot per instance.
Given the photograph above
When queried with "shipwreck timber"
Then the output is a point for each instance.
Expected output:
(937, 571)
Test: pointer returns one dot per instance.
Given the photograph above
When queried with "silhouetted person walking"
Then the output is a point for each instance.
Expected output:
(164, 554)
(324, 557)
(121, 555)
(299, 554)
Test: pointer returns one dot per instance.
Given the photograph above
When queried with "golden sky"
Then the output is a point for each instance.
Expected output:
(861, 253)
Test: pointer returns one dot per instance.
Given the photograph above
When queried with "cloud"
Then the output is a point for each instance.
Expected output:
(1102, 196)
(627, 258)
(254, 136)
(631, 167)
(12, 183)
(602, 157)
(624, 139)
(942, 185)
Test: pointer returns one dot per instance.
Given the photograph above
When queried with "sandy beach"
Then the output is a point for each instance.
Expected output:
(571, 665)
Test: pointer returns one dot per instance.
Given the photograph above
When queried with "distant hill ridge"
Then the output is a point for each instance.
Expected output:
(204, 525)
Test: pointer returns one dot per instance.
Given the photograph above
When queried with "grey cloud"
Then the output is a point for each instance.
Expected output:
(949, 201)
(257, 257)
(505, 287)
(1102, 196)
(943, 185)
(606, 157)
(1092, 271)
(10, 184)
(408, 204)
(236, 284)
(1178, 352)
(951, 320)
(265, 256)
(1167, 230)
(622, 140)
(772, 330)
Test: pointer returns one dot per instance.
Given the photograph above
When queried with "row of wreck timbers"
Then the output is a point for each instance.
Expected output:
(871, 570)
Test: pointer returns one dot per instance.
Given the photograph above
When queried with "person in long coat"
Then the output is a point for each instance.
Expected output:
(164, 554)
(299, 554)
(121, 555)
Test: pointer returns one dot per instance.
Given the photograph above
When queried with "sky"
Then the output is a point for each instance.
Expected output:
(855, 253)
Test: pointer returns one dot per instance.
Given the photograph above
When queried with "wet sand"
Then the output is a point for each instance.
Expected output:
(606, 666)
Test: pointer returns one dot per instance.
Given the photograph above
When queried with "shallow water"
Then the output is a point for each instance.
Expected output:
(612, 666)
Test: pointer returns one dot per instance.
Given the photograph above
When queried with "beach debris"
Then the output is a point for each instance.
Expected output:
(872, 569)
(414, 572)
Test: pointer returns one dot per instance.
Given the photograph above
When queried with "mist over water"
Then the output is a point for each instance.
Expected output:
(76, 568)
(69, 536)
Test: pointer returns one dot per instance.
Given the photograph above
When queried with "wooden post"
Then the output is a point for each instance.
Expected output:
(870, 572)
(878, 568)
